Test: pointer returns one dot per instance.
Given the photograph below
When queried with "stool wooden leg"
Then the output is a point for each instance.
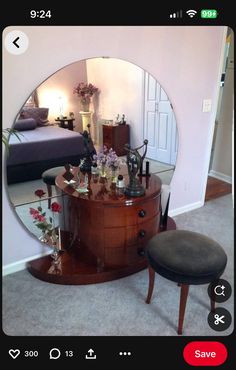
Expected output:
(49, 187)
(151, 283)
(182, 305)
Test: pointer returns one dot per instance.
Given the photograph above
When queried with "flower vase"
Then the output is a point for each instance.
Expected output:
(55, 255)
(103, 170)
(42, 238)
(85, 107)
(114, 175)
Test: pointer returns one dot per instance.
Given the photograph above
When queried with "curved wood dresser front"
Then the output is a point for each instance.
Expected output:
(107, 231)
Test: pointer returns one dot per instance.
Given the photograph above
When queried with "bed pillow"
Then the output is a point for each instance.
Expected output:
(39, 114)
(25, 124)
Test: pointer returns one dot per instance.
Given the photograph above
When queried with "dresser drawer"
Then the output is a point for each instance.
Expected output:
(131, 215)
(141, 233)
(114, 257)
(135, 254)
(115, 237)
(123, 256)
(126, 236)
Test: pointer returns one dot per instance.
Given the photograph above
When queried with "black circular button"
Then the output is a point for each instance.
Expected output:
(220, 319)
(219, 290)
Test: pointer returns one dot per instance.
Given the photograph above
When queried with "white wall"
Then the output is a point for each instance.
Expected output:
(61, 85)
(185, 61)
(120, 84)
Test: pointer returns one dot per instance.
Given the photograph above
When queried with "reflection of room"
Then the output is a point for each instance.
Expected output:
(125, 90)
(129, 91)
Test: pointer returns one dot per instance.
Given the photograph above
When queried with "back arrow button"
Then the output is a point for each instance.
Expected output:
(15, 42)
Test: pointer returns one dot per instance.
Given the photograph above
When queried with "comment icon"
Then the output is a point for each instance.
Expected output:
(54, 354)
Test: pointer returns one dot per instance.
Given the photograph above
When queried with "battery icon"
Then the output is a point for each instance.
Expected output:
(209, 13)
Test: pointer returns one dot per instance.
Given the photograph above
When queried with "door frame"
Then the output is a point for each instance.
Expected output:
(213, 117)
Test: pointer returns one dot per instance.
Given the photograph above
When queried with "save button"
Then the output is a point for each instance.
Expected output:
(205, 353)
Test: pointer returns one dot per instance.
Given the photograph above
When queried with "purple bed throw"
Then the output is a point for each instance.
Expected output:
(44, 143)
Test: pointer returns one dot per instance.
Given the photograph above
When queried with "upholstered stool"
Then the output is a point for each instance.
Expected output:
(187, 258)
(49, 177)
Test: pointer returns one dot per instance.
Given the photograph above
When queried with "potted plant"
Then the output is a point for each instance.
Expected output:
(6, 134)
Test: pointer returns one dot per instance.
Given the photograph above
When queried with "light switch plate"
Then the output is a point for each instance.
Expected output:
(206, 106)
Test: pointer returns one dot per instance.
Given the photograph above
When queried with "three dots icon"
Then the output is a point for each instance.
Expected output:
(125, 353)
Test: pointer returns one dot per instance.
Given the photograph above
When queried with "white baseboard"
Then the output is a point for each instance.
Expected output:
(187, 208)
(21, 264)
(220, 176)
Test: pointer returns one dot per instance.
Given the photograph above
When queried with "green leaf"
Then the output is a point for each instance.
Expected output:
(7, 132)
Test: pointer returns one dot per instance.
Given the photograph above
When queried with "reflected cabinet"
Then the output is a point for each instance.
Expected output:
(115, 137)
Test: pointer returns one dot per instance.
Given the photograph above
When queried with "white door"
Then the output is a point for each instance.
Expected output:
(159, 123)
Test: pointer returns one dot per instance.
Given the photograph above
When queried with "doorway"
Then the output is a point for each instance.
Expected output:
(220, 167)
(159, 123)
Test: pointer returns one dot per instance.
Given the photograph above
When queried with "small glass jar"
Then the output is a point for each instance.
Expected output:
(114, 174)
(102, 170)
(120, 182)
(94, 169)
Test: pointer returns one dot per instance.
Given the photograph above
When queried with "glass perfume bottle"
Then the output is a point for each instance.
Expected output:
(94, 169)
(120, 182)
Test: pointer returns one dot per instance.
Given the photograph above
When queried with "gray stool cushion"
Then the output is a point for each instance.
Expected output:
(50, 175)
(186, 257)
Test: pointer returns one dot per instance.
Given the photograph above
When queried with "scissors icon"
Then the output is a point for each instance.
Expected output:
(220, 290)
(218, 319)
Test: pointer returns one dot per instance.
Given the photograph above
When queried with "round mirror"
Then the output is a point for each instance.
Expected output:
(101, 92)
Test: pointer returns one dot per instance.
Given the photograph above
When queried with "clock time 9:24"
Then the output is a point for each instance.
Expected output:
(40, 14)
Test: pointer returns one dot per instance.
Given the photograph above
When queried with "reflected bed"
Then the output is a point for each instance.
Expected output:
(42, 148)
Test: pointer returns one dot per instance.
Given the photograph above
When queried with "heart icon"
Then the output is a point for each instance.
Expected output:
(14, 353)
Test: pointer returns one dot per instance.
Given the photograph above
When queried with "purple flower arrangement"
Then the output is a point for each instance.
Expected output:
(112, 159)
(108, 158)
(85, 92)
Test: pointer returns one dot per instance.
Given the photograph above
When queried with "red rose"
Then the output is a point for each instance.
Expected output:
(33, 211)
(39, 193)
(40, 218)
(55, 207)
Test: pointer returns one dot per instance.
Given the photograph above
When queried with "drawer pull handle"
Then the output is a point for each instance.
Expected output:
(142, 233)
(141, 252)
(142, 213)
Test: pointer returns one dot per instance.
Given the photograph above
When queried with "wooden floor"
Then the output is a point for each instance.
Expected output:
(216, 188)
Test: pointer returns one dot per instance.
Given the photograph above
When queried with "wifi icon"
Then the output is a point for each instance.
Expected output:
(191, 13)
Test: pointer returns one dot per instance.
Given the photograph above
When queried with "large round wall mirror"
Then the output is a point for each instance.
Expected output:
(50, 124)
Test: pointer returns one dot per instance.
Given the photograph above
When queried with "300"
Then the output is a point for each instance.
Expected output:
(31, 353)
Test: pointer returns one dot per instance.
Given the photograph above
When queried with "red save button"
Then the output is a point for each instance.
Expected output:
(205, 353)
